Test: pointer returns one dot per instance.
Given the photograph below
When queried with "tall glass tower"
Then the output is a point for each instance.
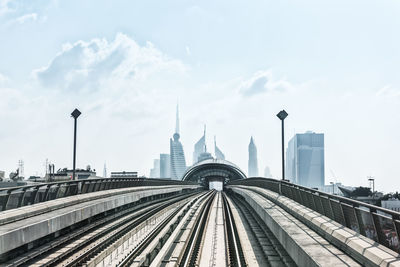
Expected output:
(305, 160)
(178, 163)
(199, 147)
(253, 165)
(218, 152)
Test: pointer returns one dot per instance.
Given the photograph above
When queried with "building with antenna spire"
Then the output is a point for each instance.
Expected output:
(105, 171)
(178, 162)
(199, 147)
(218, 152)
(253, 164)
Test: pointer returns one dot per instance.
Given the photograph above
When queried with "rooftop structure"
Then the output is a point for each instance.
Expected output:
(124, 174)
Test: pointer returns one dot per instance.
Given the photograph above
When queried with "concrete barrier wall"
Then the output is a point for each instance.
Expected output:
(364, 250)
(303, 245)
(19, 233)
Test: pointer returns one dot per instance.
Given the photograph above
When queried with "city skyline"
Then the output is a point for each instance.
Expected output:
(125, 65)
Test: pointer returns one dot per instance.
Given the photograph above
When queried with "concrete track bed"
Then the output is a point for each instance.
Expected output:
(25, 234)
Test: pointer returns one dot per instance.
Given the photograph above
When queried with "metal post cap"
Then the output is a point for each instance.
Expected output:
(282, 114)
(76, 113)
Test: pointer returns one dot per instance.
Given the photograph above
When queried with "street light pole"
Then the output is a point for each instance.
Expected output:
(283, 150)
(282, 116)
(75, 114)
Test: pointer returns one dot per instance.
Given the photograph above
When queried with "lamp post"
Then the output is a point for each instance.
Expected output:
(333, 188)
(371, 180)
(75, 114)
(282, 116)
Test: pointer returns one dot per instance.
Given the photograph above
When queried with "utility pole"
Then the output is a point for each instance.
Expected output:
(75, 114)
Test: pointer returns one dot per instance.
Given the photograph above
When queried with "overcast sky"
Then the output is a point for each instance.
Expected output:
(233, 65)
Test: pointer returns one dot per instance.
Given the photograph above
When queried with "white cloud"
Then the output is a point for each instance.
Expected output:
(4, 6)
(26, 18)
(388, 91)
(188, 52)
(263, 81)
(87, 65)
(3, 79)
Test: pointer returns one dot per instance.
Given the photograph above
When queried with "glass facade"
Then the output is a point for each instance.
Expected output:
(305, 163)
(253, 164)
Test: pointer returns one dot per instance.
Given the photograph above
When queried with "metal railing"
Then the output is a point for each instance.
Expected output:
(377, 223)
(15, 197)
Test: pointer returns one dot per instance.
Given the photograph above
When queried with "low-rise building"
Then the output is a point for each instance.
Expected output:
(391, 204)
(124, 174)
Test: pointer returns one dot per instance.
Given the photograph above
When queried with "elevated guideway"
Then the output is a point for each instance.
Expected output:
(252, 222)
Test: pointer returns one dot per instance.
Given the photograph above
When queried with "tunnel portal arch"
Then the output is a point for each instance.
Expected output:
(209, 170)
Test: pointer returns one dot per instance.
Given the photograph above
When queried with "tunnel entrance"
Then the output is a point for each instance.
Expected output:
(216, 183)
(213, 173)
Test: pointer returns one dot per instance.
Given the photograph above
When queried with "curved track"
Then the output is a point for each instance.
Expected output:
(192, 229)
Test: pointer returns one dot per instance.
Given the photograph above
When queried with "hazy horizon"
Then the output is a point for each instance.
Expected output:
(332, 65)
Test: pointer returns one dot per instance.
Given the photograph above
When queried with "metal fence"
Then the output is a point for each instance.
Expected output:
(377, 223)
(15, 197)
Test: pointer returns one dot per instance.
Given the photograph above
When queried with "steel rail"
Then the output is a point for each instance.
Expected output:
(236, 257)
(191, 251)
(127, 261)
(122, 219)
(123, 229)
(379, 224)
(255, 223)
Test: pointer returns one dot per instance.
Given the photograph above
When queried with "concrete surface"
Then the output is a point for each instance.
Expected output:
(303, 245)
(364, 250)
(24, 231)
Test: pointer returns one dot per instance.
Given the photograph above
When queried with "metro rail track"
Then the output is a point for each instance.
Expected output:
(192, 229)
(59, 249)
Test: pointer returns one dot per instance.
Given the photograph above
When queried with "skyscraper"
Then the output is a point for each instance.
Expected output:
(165, 166)
(267, 172)
(178, 163)
(253, 165)
(105, 171)
(199, 147)
(218, 152)
(205, 155)
(305, 160)
(155, 171)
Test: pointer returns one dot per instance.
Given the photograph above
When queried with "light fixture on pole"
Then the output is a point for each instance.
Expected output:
(333, 188)
(282, 116)
(75, 114)
(371, 180)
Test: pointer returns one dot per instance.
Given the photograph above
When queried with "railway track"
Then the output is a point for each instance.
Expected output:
(194, 229)
(267, 248)
(79, 244)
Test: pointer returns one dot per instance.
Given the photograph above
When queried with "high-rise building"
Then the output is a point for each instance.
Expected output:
(205, 155)
(253, 164)
(199, 147)
(267, 172)
(105, 171)
(218, 152)
(155, 171)
(305, 160)
(165, 166)
(178, 162)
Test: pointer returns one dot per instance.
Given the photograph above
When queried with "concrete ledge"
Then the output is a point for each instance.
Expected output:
(303, 245)
(19, 233)
(47, 206)
(364, 250)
